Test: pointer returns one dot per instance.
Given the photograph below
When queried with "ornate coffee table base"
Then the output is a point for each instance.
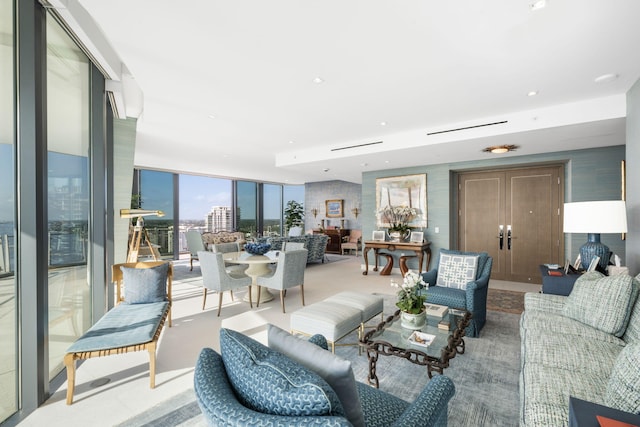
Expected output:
(455, 345)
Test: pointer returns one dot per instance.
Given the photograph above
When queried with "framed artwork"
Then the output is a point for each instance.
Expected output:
(416, 237)
(334, 208)
(378, 236)
(402, 191)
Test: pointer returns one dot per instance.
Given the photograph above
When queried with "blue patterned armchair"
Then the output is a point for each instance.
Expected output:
(473, 298)
(266, 387)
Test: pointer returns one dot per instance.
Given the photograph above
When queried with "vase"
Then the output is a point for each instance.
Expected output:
(413, 321)
(399, 236)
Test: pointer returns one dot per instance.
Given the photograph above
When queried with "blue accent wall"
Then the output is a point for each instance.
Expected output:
(590, 174)
(317, 193)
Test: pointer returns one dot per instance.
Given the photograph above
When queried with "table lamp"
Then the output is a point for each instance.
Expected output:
(594, 218)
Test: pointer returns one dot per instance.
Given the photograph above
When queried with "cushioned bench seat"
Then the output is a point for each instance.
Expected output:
(132, 325)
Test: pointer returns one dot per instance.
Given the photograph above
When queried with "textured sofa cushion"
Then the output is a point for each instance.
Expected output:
(455, 271)
(623, 388)
(267, 381)
(334, 369)
(145, 285)
(604, 302)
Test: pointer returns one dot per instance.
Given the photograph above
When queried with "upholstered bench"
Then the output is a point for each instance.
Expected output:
(337, 316)
(134, 324)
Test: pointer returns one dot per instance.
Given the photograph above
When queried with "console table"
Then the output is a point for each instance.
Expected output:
(420, 249)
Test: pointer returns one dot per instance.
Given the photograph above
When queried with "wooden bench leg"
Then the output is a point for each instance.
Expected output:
(152, 364)
(70, 363)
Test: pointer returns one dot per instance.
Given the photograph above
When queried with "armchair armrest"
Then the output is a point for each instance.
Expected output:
(430, 277)
(430, 407)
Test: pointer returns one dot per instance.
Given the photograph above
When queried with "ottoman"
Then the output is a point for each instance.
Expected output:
(369, 305)
(334, 321)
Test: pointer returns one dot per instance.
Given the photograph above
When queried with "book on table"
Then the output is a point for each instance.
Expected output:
(436, 310)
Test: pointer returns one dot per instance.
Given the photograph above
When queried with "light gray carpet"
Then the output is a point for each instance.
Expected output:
(486, 380)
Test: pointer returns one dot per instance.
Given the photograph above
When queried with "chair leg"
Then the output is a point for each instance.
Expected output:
(204, 297)
(250, 299)
(231, 295)
(220, 302)
(302, 293)
(282, 299)
(191, 265)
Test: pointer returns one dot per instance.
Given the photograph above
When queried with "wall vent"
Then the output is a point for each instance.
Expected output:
(467, 127)
(356, 146)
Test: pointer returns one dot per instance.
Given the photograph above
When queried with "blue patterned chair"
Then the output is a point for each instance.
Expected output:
(251, 384)
(469, 294)
(316, 244)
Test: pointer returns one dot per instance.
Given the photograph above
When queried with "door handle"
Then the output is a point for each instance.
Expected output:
(501, 235)
(508, 237)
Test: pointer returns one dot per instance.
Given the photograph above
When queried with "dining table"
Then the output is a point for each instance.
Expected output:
(257, 265)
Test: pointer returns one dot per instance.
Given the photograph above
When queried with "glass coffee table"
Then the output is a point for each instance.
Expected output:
(432, 346)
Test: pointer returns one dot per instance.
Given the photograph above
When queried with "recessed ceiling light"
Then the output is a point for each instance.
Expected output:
(538, 4)
(500, 149)
(532, 93)
(386, 161)
(383, 123)
(364, 165)
(605, 78)
(212, 116)
(290, 142)
(318, 80)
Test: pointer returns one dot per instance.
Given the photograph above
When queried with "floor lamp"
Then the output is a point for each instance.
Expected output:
(139, 231)
(594, 218)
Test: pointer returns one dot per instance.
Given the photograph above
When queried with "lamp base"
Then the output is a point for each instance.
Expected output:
(592, 249)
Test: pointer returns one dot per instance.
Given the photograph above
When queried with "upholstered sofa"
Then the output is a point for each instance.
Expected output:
(316, 244)
(223, 237)
(461, 280)
(295, 382)
(585, 345)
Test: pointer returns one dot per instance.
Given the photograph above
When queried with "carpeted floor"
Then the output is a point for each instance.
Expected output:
(505, 301)
(486, 379)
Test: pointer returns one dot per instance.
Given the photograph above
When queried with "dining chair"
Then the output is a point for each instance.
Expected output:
(195, 244)
(292, 246)
(288, 274)
(216, 278)
(353, 243)
(224, 248)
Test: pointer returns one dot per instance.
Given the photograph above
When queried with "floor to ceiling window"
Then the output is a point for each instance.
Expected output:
(156, 192)
(8, 300)
(272, 209)
(246, 207)
(68, 138)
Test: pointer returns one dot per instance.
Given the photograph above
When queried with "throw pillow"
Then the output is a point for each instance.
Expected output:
(335, 370)
(145, 285)
(623, 387)
(269, 382)
(455, 271)
(603, 302)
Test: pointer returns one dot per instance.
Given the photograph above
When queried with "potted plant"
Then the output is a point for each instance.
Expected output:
(293, 215)
(398, 218)
(411, 304)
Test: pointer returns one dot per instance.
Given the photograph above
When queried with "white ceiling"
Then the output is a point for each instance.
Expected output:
(420, 66)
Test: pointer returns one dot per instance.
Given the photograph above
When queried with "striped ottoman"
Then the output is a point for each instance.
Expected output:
(369, 305)
(332, 320)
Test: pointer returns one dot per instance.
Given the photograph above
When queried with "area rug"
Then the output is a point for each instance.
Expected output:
(485, 377)
(505, 301)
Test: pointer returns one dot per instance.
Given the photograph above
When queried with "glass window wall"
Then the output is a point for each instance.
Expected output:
(156, 193)
(8, 300)
(68, 140)
(246, 207)
(272, 209)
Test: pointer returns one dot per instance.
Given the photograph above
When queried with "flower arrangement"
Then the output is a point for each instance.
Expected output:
(398, 217)
(409, 300)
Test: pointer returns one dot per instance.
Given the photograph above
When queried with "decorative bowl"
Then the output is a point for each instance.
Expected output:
(257, 248)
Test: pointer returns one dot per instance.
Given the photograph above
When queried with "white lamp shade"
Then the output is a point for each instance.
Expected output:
(609, 216)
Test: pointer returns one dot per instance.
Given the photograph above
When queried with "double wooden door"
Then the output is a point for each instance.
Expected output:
(515, 216)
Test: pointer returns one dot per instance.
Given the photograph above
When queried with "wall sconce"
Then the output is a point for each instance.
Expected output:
(314, 211)
(356, 211)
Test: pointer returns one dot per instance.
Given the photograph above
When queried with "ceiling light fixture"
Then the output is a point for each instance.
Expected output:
(383, 123)
(532, 93)
(318, 80)
(500, 149)
(538, 4)
(605, 78)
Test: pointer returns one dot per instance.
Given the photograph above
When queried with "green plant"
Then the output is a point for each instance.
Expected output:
(409, 300)
(293, 215)
(398, 217)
